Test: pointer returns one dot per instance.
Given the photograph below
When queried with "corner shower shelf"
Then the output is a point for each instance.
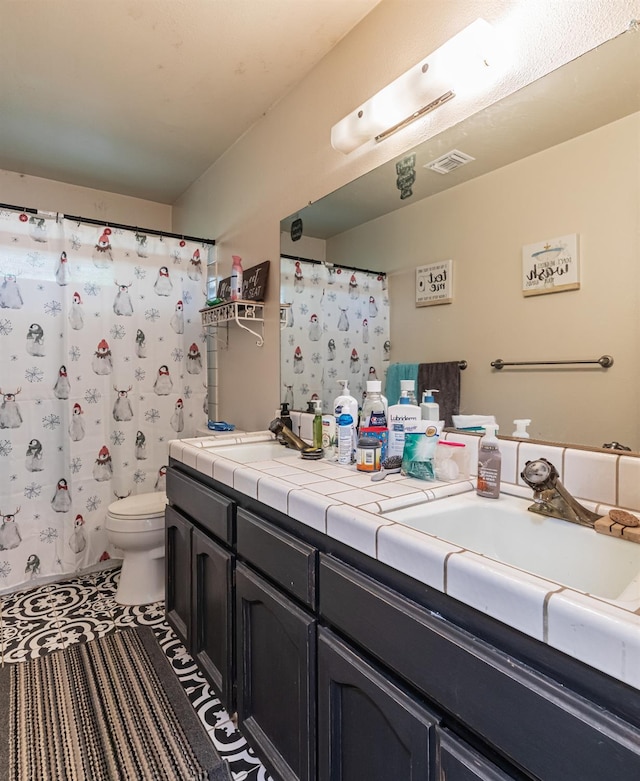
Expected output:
(239, 312)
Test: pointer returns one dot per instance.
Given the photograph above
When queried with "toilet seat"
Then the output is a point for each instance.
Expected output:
(144, 512)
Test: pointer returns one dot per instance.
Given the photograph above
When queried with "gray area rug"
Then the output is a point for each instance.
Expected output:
(104, 710)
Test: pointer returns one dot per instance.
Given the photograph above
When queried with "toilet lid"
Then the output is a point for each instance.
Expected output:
(148, 505)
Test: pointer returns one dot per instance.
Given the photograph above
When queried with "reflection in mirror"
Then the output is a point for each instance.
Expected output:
(336, 329)
(559, 158)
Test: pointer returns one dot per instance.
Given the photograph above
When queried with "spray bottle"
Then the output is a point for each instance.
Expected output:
(489, 464)
(236, 278)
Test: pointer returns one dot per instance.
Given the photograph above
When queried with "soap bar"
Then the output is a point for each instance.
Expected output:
(624, 518)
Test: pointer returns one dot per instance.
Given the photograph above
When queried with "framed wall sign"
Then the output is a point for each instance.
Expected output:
(434, 284)
(254, 283)
(551, 266)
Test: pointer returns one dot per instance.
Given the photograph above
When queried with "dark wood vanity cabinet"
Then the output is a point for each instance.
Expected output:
(346, 670)
(178, 574)
(368, 726)
(199, 568)
(275, 659)
(212, 613)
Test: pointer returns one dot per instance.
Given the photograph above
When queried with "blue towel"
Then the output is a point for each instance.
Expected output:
(395, 373)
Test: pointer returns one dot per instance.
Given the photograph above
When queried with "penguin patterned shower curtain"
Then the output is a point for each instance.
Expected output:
(101, 364)
(337, 328)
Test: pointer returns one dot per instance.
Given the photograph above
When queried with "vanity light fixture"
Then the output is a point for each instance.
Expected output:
(459, 66)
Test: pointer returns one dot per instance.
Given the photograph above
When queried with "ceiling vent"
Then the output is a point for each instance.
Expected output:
(449, 162)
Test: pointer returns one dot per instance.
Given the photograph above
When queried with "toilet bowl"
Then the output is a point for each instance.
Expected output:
(135, 525)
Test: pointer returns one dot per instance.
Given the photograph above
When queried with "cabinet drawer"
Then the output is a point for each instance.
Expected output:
(513, 708)
(281, 557)
(212, 511)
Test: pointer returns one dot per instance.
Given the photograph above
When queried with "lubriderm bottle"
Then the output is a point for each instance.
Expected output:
(489, 464)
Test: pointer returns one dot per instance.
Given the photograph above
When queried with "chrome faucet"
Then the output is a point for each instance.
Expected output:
(278, 428)
(550, 497)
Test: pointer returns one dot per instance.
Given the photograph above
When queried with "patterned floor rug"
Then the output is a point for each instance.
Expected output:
(104, 710)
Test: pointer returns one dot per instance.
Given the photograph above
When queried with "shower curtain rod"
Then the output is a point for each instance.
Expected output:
(327, 263)
(108, 224)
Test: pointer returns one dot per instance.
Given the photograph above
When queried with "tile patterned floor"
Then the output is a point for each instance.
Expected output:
(54, 616)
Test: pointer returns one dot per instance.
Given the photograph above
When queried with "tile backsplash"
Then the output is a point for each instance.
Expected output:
(611, 478)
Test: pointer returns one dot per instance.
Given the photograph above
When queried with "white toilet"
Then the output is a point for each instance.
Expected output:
(136, 526)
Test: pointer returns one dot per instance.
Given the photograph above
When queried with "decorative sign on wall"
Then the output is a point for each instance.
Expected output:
(434, 284)
(254, 283)
(406, 176)
(296, 230)
(551, 266)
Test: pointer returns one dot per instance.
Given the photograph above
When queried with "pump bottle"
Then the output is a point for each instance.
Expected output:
(410, 387)
(489, 464)
(402, 417)
(345, 403)
(429, 409)
(317, 425)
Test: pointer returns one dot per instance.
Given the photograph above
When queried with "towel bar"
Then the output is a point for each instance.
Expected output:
(605, 361)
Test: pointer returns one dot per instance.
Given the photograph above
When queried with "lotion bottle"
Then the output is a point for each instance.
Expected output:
(489, 464)
(410, 387)
(429, 409)
(345, 403)
(402, 417)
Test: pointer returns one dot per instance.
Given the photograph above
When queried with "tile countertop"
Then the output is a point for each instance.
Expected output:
(344, 504)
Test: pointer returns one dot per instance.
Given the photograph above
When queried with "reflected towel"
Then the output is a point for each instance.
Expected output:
(395, 373)
(446, 378)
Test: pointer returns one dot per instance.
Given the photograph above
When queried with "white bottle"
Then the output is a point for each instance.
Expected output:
(402, 417)
(521, 428)
(375, 408)
(489, 464)
(236, 278)
(429, 409)
(346, 403)
(410, 387)
(346, 429)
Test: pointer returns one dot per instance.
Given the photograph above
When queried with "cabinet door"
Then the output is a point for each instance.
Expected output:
(457, 761)
(178, 574)
(368, 728)
(275, 663)
(211, 618)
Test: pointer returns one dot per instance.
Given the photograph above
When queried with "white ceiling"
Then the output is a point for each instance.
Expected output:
(140, 97)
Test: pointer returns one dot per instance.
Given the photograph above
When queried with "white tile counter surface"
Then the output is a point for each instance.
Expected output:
(346, 505)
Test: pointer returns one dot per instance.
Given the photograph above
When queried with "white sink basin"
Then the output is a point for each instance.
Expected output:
(504, 530)
(250, 452)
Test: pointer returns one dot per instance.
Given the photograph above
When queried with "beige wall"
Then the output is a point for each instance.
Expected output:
(589, 186)
(285, 161)
(36, 193)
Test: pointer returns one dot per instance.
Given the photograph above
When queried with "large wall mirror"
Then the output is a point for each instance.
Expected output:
(559, 158)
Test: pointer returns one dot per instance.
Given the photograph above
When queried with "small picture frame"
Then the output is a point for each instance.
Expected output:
(551, 266)
(434, 284)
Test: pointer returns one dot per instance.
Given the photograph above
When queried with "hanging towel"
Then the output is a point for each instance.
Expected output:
(446, 378)
(395, 373)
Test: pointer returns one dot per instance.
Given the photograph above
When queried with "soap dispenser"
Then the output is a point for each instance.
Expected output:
(489, 464)
(521, 428)
(429, 409)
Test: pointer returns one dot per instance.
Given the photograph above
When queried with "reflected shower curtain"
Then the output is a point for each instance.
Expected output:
(337, 328)
(101, 364)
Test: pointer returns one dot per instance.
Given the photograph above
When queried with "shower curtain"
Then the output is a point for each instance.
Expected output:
(337, 328)
(101, 364)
